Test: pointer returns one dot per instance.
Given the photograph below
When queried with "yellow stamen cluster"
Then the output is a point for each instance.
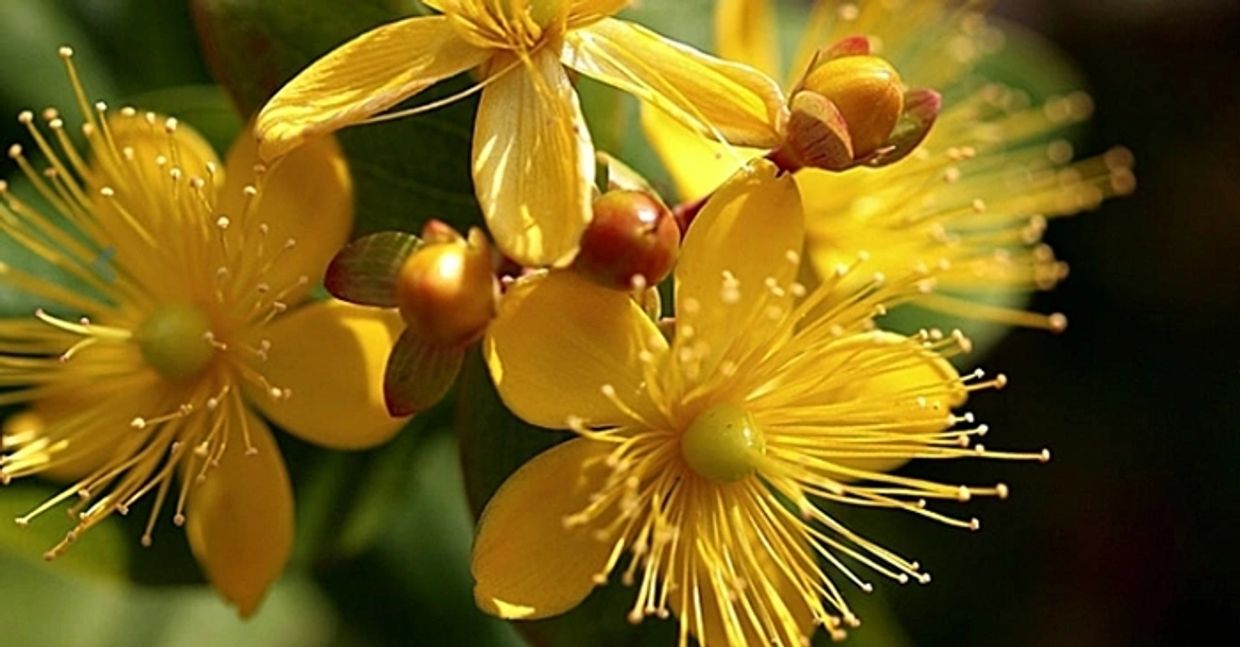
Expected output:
(721, 506)
(146, 378)
(519, 25)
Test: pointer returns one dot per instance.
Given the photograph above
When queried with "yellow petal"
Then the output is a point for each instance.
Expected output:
(584, 12)
(148, 134)
(361, 78)
(746, 238)
(558, 339)
(716, 98)
(139, 185)
(918, 389)
(526, 564)
(745, 32)
(306, 197)
(698, 165)
(240, 519)
(332, 356)
(533, 162)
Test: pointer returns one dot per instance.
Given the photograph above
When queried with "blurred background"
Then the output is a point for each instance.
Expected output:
(1118, 541)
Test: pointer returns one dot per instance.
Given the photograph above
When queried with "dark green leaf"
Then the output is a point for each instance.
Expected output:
(102, 552)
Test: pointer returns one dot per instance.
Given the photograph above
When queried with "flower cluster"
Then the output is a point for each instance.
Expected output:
(712, 443)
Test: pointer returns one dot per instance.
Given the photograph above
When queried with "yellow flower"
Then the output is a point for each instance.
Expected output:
(710, 462)
(533, 161)
(191, 319)
(974, 199)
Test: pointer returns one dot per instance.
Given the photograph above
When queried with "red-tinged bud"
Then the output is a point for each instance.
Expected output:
(633, 240)
(446, 291)
(868, 93)
(852, 109)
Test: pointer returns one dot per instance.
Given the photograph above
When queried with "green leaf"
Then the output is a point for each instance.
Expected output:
(30, 34)
(100, 553)
(413, 587)
(406, 171)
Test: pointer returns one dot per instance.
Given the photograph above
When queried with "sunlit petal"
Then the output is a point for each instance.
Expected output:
(717, 98)
(533, 162)
(526, 564)
(558, 340)
(306, 198)
(331, 355)
(739, 259)
(361, 78)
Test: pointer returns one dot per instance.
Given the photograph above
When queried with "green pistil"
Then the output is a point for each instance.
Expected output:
(174, 341)
(724, 443)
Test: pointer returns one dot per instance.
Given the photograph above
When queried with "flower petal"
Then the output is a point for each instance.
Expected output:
(714, 97)
(558, 339)
(307, 197)
(240, 519)
(156, 148)
(533, 162)
(584, 12)
(698, 165)
(148, 134)
(363, 77)
(526, 564)
(332, 356)
(746, 239)
(907, 383)
(745, 32)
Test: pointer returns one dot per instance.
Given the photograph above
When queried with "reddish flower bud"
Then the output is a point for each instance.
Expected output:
(850, 109)
(868, 93)
(446, 291)
(633, 240)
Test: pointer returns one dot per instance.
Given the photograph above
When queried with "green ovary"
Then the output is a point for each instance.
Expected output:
(724, 443)
(174, 341)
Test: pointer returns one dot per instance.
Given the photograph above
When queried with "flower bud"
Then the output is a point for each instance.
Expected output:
(633, 240)
(868, 94)
(446, 291)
